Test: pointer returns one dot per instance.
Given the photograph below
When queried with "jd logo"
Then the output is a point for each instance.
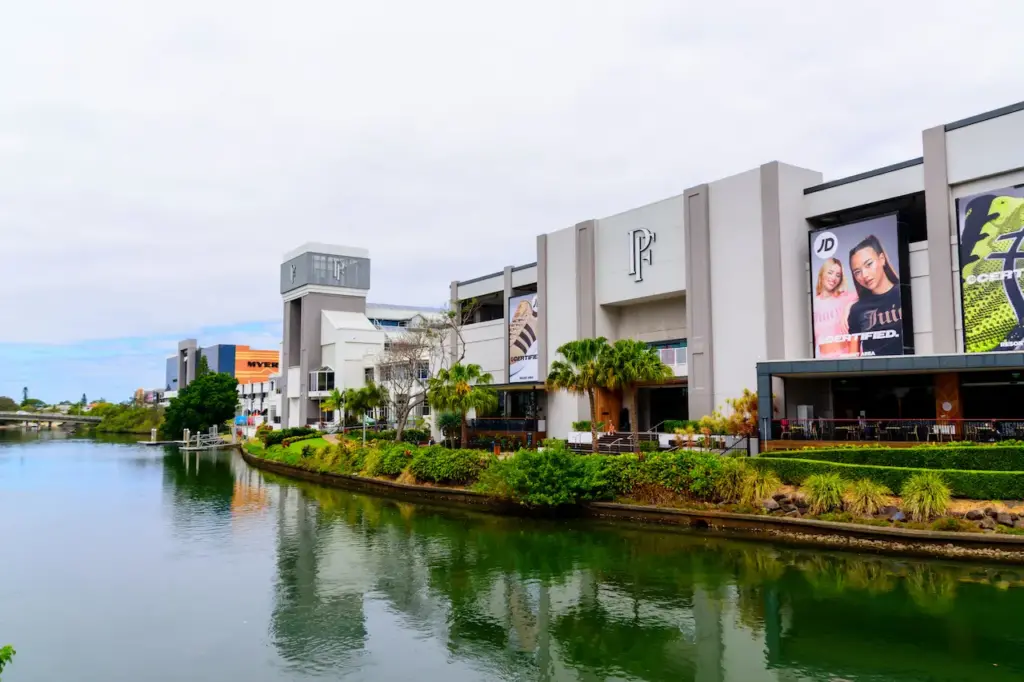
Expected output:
(825, 245)
(640, 242)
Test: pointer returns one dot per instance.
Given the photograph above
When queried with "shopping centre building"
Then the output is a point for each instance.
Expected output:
(835, 300)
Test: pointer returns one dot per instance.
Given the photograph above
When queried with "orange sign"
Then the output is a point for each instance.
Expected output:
(255, 365)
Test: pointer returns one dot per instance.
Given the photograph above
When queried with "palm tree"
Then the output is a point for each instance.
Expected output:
(580, 373)
(335, 402)
(377, 396)
(629, 363)
(462, 388)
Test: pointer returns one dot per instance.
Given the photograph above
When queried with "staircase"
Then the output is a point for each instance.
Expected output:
(615, 443)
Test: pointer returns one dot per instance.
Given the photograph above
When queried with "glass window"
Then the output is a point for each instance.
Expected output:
(368, 375)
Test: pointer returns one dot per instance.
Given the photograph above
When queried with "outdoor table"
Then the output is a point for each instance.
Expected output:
(850, 431)
(891, 431)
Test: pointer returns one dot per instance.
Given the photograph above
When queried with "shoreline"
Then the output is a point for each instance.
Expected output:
(807, 532)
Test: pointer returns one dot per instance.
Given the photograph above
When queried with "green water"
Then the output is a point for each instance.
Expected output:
(124, 563)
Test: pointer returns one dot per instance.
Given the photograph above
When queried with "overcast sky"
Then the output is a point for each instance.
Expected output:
(157, 159)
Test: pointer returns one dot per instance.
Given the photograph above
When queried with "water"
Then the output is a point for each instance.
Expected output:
(124, 563)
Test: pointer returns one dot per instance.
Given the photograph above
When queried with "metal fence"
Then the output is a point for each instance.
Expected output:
(913, 430)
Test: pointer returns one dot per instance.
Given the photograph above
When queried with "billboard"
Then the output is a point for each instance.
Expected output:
(991, 229)
(523, 345)
(858, 302)
(252, 366)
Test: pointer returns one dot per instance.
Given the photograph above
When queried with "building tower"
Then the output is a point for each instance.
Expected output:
(314, 278)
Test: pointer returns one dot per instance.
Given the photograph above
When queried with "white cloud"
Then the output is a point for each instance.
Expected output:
(157, 160)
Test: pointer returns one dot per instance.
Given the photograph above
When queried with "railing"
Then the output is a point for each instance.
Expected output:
(488, 424)
(919, 430)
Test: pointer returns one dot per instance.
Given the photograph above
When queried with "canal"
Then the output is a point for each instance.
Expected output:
(125, 563)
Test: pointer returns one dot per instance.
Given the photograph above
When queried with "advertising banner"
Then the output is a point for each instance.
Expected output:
(252, 366)
(857, 297)
(991, 228)
(523, 346)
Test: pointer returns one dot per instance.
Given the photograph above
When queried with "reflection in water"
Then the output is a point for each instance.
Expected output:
(238, 574)
(580, 601)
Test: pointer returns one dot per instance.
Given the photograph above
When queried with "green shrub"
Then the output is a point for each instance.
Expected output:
(408, 436)
(682, 472)
(585, 426)
(555, 444)
(960, 456)
(438, 464)
(731, 475)
(387, 460)
(865, 497)
(977, 485)
(673, 425)
(296, 439)
(925, 495)
(759, 486)
(546, 479)
(277, 437)
(824, 492)
(6, 656)
(649, 446)
(953, 524)
(307, 451)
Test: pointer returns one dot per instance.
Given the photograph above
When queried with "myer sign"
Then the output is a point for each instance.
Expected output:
(640, 242)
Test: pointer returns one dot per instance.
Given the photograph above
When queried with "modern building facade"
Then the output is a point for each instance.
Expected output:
(835, 300)
(332, 336)
(242, 362)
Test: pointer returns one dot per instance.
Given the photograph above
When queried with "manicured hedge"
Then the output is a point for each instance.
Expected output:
(963, 457)
(977, 485)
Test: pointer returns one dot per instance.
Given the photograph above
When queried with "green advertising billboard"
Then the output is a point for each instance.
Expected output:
(991, 228)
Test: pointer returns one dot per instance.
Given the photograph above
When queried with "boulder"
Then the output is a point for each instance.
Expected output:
(771, 505)
(778, 497)
(1014, 516)
(795, 513)
(887, 511)
(800, 501)
(1003, 519)
(1019, 523)
(987, 523)
(789, 508)
(975, 515)
(898, 516)
(990, 512)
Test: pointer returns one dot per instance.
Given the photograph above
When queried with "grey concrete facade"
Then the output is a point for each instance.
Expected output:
(697, 238)
(941, 226)
(542, 306)
(507, 286)
(188, 359)
(771, 240)
(586, 294)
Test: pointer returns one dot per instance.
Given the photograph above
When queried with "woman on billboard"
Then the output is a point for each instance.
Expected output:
(877, 316)
(832, 302)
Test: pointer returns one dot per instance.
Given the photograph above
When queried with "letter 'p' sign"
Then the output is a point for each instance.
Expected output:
(825, 245)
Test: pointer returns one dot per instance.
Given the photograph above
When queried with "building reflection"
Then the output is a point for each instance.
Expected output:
(536, 600)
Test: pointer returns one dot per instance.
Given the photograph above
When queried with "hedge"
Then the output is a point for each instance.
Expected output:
(962, 457)
(976, 485)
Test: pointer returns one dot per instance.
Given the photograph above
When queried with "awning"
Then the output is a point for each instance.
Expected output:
(520, 386)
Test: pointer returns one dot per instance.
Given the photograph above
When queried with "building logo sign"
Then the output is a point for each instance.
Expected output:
(291, 273)
(339, 268)
(640, 242)
(261, 363)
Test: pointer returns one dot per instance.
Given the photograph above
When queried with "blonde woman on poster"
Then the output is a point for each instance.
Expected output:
(832, 302)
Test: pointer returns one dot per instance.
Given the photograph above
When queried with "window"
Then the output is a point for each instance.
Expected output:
(671, 352)
(322, 379)
(423, 370)
(368, 375)
(425, 408)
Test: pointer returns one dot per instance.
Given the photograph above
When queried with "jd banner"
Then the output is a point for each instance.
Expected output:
(991, 227)
(857, 296)
(522, 338)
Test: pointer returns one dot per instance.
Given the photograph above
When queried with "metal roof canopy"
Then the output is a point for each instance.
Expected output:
(903, 364)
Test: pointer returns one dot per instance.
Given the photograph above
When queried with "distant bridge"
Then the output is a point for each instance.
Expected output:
(48, 417)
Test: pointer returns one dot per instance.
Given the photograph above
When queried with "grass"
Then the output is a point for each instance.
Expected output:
(316, 443)
(865, 497)
(925, 495)
(824, 492)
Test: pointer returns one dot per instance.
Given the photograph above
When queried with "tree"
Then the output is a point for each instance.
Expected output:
(211, 399)
(24, 394)
(202, 367)
(32, 404)
(8, 404)
(626, 365)
(461, 388)
(84, 401)
(6, 656)
(580, 373)
(335, 402)
(364, 400)
(743, 420)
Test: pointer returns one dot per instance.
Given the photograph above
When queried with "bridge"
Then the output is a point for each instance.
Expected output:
(49, 417)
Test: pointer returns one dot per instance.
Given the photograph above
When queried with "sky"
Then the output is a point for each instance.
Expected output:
(158, 159)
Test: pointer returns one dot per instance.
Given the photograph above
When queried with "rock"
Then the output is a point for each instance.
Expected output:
(771, 505)
(1014, 516)
(990, 512)
(898, 516)
(1019, 523)
(975, 515)
(800, 501)
(794, 513)
(1003, 519)
(778, 497)
(789, 508)
(887, 511)
(987, 523)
